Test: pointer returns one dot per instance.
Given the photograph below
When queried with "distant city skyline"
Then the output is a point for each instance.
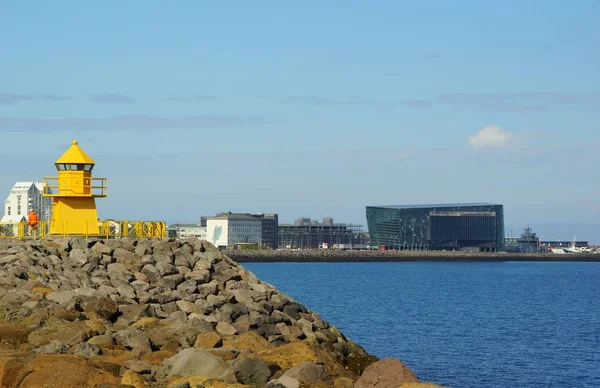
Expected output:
(311, 109)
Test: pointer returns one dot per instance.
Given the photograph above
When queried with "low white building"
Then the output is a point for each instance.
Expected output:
(227, 229)
(188, 230)
(24, 196)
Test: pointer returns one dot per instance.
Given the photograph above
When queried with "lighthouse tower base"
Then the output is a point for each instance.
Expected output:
(74, 216)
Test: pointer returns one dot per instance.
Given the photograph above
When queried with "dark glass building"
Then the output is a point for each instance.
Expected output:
(270, 229)
(474, 226)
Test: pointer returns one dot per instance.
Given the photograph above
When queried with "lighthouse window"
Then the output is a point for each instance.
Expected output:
(88, 167)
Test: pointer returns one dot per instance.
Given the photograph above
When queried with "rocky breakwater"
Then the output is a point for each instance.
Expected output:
(163, 313)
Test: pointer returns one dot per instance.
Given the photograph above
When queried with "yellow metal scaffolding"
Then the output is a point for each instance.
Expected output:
(106, 228)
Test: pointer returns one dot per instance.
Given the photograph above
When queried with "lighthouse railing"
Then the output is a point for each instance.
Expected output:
(52, 188)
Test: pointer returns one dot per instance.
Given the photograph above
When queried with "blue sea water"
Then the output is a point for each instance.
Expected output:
(509, 324)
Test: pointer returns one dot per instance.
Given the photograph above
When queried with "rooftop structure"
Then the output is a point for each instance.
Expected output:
(305, 233)
(454, 226)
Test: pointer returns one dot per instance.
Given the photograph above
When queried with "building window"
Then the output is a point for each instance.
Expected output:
(19, 209)
(8, 211)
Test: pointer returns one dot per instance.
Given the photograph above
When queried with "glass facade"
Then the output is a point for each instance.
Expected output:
(434, 227)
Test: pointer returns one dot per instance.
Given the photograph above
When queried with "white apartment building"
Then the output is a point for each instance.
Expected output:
(228, 229)
(24, 196)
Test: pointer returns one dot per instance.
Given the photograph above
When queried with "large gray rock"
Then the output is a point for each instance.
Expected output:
(192, 361)
(85, 349)
(308, 373)
(165, 268)
(184, 258)
(251, 371)
(151, 272)
(171, 281)
(127, 258)
(78, 257)
(161, 247)
(61, 297)
(53, 348)
(133, 339)
(64, 297)
(187, 287)
(132, 313)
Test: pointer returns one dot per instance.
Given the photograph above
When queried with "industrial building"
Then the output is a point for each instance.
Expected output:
(471, 226)
(24, 196)
(305, 233)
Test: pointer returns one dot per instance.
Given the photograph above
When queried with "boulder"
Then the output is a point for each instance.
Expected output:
(224, 328)
(133, 339)
(53, 348)
(387, 372)
(132, 379)
(209, 340)
(55, 370)
(86, 349)
(102, 306)
(184, 258)
(251, 371)
(12, 336)
(308, 373)
(70, 333)
(193, 361)
(199, 276)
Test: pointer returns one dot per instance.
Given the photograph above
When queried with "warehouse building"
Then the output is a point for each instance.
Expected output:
(472, 226)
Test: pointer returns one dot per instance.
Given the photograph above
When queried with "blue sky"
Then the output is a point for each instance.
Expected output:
(310, 109)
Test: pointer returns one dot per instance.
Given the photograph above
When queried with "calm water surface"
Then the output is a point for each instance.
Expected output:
(461, 324)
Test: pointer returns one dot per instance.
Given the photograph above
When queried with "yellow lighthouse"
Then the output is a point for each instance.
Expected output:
(74, 194)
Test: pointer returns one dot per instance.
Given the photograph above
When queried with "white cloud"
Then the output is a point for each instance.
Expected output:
(491, 136)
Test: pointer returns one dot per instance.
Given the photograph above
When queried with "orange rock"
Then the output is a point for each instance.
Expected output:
(12, 336)
(43, 291)
(388, 372)
(208, 340)
(333, 365)
(289, 355)
(70, 333)
(46, 370)
(225, 354)
(116, 355)
(145, 323)
(158, 356)
(249, 342)
(133, 379)
(343, 382)
(203, 381)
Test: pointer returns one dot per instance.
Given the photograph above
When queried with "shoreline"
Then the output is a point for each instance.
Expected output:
(316, 256)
